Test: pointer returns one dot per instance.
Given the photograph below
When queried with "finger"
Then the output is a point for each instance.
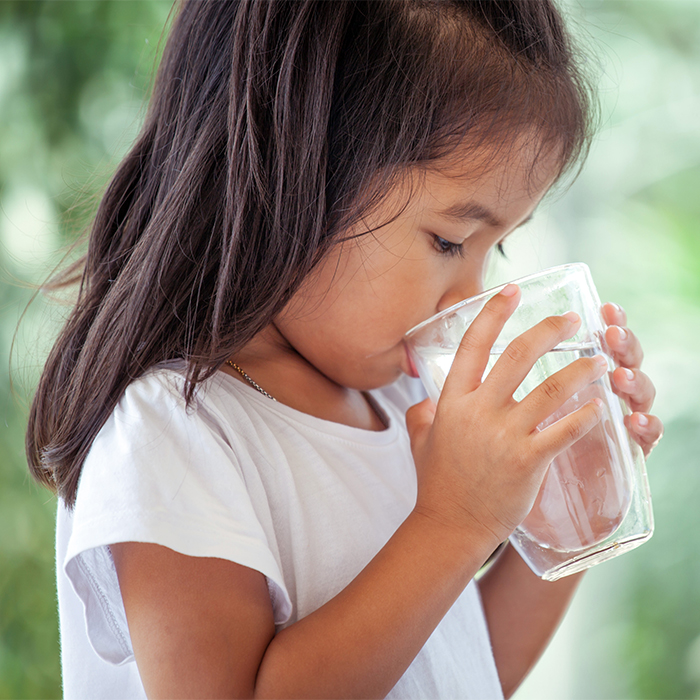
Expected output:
(624, 346)
(614, 314)
(520, 355)
(548, 397)
(559, 436)
(419, 419)
(635, 388)
(646, 430)
(475, 348)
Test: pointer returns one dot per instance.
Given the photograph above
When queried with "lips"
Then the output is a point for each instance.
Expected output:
(412, 371)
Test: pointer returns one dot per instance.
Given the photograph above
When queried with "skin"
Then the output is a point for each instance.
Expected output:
(203, 627)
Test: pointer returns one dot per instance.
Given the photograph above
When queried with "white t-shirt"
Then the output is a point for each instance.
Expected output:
(306, 502)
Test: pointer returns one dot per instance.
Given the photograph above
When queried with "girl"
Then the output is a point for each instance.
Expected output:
(254, 499)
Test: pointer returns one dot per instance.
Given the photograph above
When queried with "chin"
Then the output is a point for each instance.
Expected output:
(378, 379)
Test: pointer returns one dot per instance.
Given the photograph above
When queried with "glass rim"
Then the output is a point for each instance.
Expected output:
(494, 290)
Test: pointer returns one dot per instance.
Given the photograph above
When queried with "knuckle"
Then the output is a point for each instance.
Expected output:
(574, 430)
(524, 460)
(529, 461)
(634, 347)
(553, 388)
(517, 350)
(554, 323)
(647, 396)
(469, 343)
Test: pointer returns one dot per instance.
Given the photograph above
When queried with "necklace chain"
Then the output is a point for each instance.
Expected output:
(249, 379)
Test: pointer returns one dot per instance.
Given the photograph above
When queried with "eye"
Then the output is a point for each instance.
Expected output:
(446, 247)
(501, 251)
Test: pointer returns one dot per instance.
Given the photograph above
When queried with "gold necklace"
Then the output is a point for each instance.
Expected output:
(249, 379)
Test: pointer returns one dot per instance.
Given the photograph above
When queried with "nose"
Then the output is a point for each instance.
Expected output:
(469, 283)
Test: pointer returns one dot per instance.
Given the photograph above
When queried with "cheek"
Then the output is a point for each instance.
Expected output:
(395, 300)
(365, 300)
(363, 321)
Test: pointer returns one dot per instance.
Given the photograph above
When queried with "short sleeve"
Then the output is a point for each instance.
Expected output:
(163, 473)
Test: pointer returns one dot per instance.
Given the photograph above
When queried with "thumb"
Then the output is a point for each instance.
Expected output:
(419, 420)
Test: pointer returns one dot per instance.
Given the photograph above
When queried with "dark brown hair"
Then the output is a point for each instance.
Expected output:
(273, 126)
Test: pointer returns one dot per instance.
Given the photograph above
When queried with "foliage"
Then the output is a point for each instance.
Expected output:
(634, 631)
(74, 77)
(73, 80)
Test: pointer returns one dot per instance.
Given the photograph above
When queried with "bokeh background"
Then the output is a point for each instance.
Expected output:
(74, 78)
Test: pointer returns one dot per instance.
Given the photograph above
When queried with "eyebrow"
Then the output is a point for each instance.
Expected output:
(472, 211)
(465, 211)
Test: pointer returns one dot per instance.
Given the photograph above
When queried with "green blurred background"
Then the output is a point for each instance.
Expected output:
(74, 76)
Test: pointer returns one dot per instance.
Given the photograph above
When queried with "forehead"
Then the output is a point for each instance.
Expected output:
(525, 165)
(482, 184)
(490, 184)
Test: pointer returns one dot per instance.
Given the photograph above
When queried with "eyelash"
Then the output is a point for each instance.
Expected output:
(450, 249)
(446, 247)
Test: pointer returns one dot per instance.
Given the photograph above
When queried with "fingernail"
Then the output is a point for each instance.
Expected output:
(622, 332)
(642, 420)
(629, 374)
(510, 290)
(571, 317)
(601, 360)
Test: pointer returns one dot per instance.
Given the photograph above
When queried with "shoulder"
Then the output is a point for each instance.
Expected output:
(163, 472)
(158, 453)
(151, 415)
(153, 410)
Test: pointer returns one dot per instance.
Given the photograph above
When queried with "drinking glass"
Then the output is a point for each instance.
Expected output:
(594, 503)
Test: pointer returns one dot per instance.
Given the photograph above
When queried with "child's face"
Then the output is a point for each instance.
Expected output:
(350, 316)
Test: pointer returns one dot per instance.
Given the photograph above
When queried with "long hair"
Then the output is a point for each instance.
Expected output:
(273, 126)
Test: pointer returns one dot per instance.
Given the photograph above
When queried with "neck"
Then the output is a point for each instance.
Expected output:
(275, 365)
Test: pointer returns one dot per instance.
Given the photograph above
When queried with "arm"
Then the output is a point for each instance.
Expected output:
(203, 627)
(522, 612)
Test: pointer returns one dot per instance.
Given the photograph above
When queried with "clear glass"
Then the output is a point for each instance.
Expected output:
(594, 503)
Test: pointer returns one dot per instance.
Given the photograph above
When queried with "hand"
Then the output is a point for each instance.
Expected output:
(629, 382)
(479, 455)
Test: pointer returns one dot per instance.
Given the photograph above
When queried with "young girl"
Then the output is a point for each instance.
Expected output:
(255, 499)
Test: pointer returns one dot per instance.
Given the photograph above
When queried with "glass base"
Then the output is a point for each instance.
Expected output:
(585, 561)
